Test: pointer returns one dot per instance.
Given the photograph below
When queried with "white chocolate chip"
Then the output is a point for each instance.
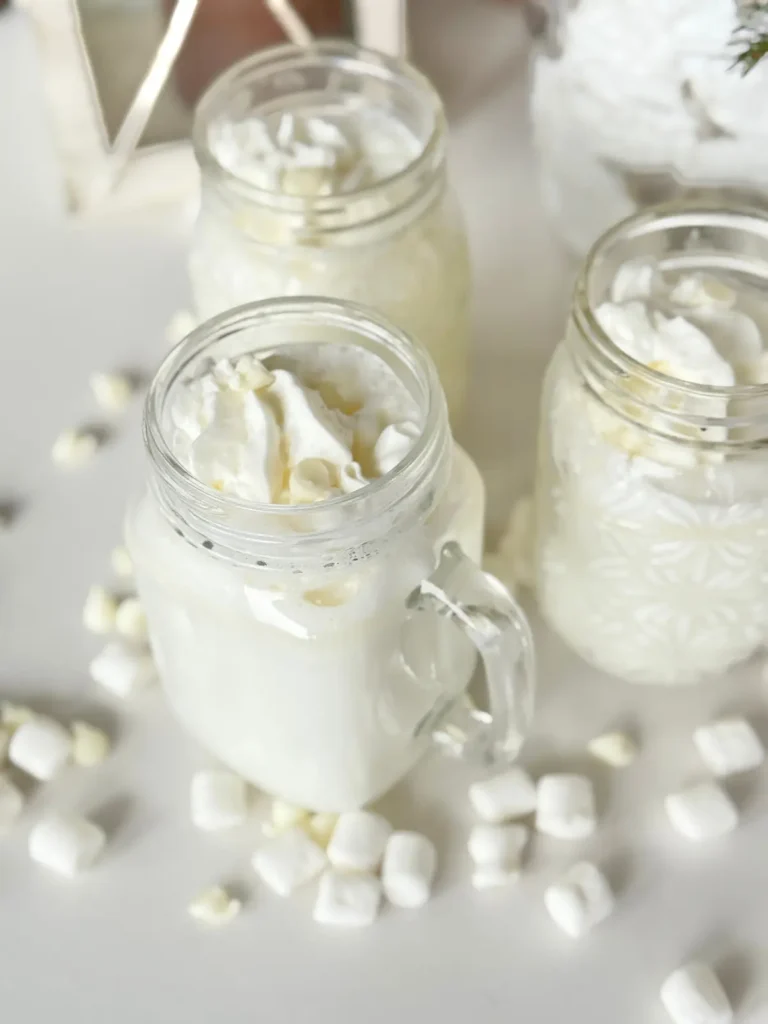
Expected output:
(729, 745)
(321, 826)
(616, 749)
(74, 448)
(358, 841)
(41, 748)
(693, 995)
(130, 620)
(288, 861)
(123, 670)
(347, 899)
(179, 326)
(218, 800)
(408, 869)
(66, 844)
(11, 802)
(284, 816)
(214, 907)
(566, 806)
(90, 745)
(112, 391)
(99, 611)
(580, 899)
(121, 560)
(511, 794)
(704, 811)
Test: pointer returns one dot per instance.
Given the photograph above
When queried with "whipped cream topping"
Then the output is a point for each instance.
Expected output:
(297, 428)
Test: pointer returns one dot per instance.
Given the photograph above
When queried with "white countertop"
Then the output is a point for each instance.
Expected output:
(117, 945)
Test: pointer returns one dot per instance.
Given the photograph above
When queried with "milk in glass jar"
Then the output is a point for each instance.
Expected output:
(323, 173)
(635, 102)
(307, 556)
(652, 491)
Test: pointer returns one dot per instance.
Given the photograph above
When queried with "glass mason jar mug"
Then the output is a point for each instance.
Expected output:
(652, 491)
(324, 173)
(316, 649)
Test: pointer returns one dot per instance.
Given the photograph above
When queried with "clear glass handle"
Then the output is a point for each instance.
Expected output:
(482, 607)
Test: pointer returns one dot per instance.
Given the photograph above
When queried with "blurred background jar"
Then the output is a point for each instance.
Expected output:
(635, 102)
(324, 173)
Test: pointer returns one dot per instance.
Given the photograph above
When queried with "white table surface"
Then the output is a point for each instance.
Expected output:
(117, 945)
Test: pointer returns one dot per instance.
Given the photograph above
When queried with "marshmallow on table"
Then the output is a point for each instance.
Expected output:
(112, 391)
(11, 802)
(122, 669)
(358, 841)
(214, 907)
(90, 745)
(40, 748)
(67, 844)
(496, 852)
(580, 899)
(693, 995)
(288, 861)
(512, 794)
(130, 620)
(99, 611)
(566, 806)
(408, 869)
(704, 811)
(616, 749)
(218, 800)
(728, 746)
(348, 899)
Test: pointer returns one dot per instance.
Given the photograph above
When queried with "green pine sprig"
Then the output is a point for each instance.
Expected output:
(751, 37)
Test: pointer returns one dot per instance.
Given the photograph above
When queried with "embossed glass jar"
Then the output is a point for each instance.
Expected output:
(652, 493)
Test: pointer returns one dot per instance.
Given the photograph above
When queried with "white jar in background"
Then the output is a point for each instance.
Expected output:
(652, 491)
(324, 173)
(315, 648)
(636, 102)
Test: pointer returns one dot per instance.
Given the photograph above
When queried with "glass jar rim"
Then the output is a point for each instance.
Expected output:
(287, 56)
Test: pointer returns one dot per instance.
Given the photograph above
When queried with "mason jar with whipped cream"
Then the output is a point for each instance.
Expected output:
(307, 553)
(652, 490)
(324, 173)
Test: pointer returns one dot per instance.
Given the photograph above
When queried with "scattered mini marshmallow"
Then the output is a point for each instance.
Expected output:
(617, 749)
(321, 826)
(218, 800)
(408, 869)
(74, 448)
(14, 715)
(693, 995)
(122, 669)
(214, 907)
(348, 899)
(493, 876)
(288, 861)
(566, 806)
(284, 816)
(99, 611)
(179, 326)
(496, 852)
(358, 841)
(66, 844)
(580, 899)
(90, 745)
(130, 620)
(41, 748)
(121, 560)
(512, 794)
(729, 745)
(112, 391)
(11, 802)
(704, 811)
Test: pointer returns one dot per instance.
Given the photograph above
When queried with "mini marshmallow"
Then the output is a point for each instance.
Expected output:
(99, 611)
(704, 811)
(214, 907)
(321, 827)
(347, 899)
(408, 869)
(512, 794)
(11, 802)
(122, 669)
(112, 391)
(121, 560)
(288, 861)
(90, 745)
(74, 448)
(566, 806)
(728, 746)
(14, 715)
(40, 748)
(693, 995)
(130, 620)
(218, 800)
(498, 845)
(616, 749)
(66, 844)
(579, 900)
(358, 841)
(179, 326)
(284, 816)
